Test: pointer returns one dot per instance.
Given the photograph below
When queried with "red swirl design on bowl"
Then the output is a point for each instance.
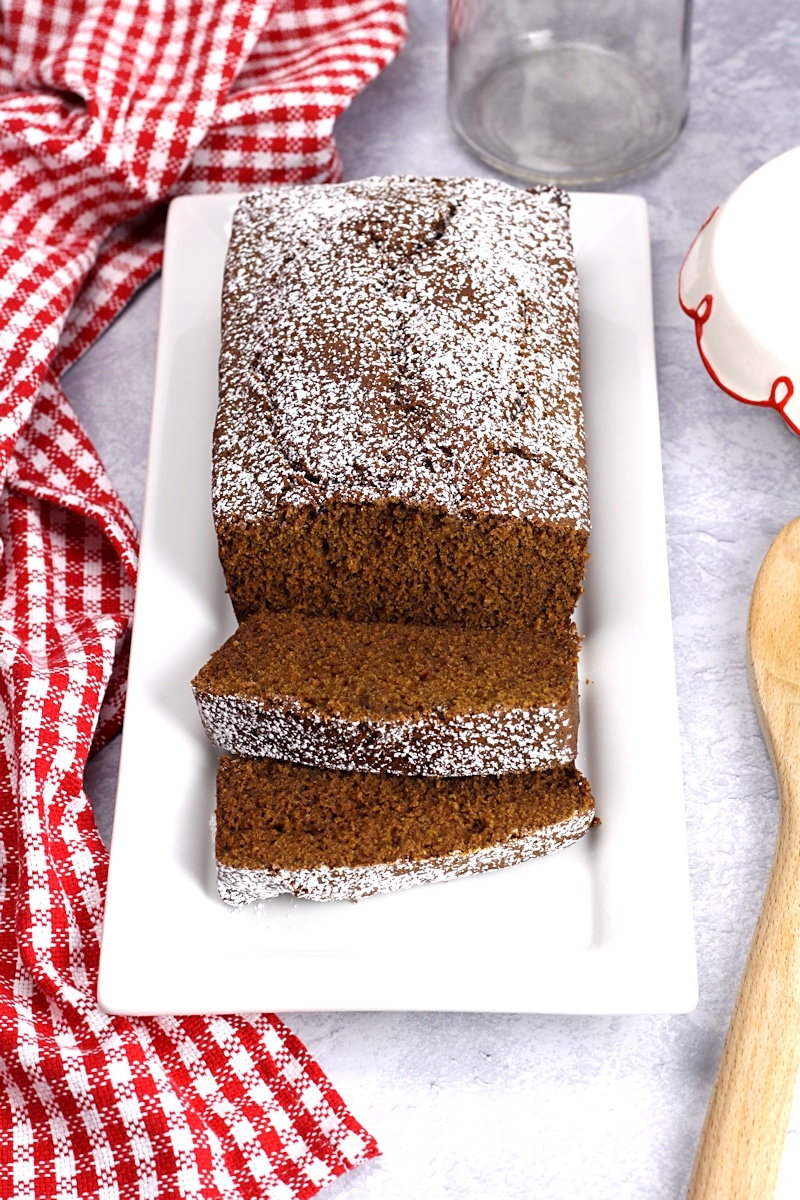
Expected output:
(782, 388)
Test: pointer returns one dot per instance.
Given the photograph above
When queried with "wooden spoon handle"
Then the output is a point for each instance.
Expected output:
(740, 1148)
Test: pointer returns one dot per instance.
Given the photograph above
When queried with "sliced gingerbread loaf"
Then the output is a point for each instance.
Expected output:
(335, 835)
(399, 434)
(404, 699)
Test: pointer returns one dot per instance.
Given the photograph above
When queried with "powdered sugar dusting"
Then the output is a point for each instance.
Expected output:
(240, 885)
(480, 743)
(401, 338)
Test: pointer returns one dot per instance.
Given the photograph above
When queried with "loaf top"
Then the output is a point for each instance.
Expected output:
(405, 339)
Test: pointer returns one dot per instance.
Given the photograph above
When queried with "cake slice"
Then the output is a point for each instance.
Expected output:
(403, 699)
(335, 835)
(399, 434)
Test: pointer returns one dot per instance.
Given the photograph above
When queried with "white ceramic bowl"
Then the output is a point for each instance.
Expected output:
(739, 283)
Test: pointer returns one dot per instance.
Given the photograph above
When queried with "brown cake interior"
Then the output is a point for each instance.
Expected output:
(275, 815)
(377, 671)
(390, 562)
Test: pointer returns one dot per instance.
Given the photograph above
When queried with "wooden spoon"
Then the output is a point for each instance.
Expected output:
(745, 1129)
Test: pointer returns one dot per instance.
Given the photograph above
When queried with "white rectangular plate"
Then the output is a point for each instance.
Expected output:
(601, 927)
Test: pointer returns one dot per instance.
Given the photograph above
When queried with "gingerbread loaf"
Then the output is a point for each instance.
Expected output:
(399, 435)
(401, 506)
(335, 835)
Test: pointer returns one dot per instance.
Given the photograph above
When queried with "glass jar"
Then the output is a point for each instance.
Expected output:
(569, 91)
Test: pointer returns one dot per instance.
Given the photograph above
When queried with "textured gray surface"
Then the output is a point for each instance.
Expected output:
(563, 1107)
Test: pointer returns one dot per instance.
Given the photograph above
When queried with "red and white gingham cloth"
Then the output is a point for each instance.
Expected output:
(107, 107)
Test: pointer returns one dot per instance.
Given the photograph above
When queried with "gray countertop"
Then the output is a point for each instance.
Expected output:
(479, 1106)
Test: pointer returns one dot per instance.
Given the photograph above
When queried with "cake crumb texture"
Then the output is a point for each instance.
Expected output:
(274, 815)
(363, 670)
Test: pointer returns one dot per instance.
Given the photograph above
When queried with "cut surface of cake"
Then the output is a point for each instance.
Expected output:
(334, 835)
(404, 699)
(399, 434)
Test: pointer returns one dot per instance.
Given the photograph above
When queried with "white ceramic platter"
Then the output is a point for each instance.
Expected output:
(602, 927)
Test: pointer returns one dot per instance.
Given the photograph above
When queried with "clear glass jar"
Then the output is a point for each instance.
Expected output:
(569, 91)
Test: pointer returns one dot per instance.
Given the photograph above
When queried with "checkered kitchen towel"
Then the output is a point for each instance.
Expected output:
(107, 107)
